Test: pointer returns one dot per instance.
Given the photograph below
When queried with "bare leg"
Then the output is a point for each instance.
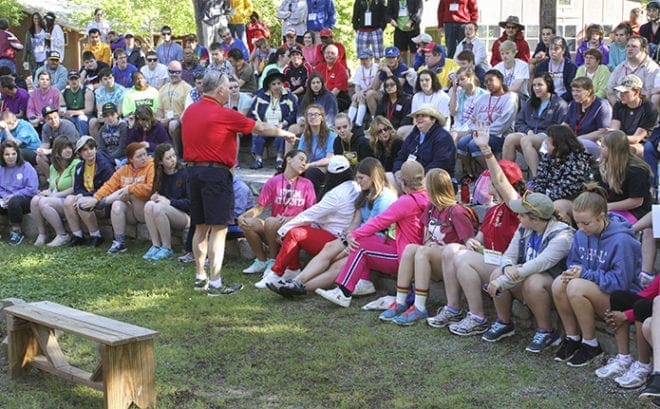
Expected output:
(216, 249)
(564, 309)
(472, 273)
(118, 217)
(537, 294)
(407, 265)
(511, 145)
(71, 213)
(52, 211)
(151, 223)
(449, 274)
(167, 218)
(200, 248)
(648, 250)
(322, 261)
(428, 263)
(36, 214)
(270, 230)
(587, 300)
(254, 234)
(530, 149)
(327, 278)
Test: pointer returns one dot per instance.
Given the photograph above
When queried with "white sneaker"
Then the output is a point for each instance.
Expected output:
(335, 295)
(187, 258)
(257, 267)
(41, 240)
(635, 376)
(59, 240)
(614, 367)
(364, 287)
(269, 277)
(290, 274)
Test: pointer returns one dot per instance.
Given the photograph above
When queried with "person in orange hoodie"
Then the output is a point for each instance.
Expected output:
(126, 192)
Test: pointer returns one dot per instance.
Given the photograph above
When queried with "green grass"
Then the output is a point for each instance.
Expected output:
(257, 350)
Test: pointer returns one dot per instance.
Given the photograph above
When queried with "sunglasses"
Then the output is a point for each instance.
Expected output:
(166, 34)
(152, 59)
(527, 204)
(174, 72)
(383, 130)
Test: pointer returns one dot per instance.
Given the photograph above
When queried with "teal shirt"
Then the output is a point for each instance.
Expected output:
(382, 202)
(26, 134)
(59, 183)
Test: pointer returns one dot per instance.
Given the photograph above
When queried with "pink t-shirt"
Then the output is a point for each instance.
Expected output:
(287, 198)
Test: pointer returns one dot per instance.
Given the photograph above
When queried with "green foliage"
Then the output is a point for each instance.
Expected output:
(11, 10)
(142, 17)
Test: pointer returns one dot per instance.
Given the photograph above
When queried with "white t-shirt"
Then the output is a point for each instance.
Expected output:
(519, 71)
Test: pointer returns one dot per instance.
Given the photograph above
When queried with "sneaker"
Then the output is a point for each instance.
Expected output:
(542, 340)
(411, 316)
(275, 287)
(393, 311)
(40, 241)
(257, 165)
(444, 317)
(567, 349)
(498, 331)
(257, 267)
(76, 241)
(584, 355)
(59, 240)
(117, 247)
(292, 287)
(278, 163)
(364, 287)
(16, 238)
(635, 376)
(163, 254)
(335, 295)
(468, 326)
(268, 277)
(652, 389)
(187, 258)
(151, 252)
(645, 278)
(95, 241)
(614, 368)
(201, 284)
(223, 290)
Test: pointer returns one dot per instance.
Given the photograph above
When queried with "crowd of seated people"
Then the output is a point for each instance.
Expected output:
(566, 142)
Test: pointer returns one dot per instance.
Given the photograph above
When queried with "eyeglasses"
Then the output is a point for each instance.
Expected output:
(152, 59)
(383, 130)
(166, 34)
(314, 115)
(174, 72)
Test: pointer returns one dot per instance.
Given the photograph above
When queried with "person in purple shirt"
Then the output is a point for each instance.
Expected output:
(588, 115)
(14, 99)
(147, 130)
(228, 42)
(123, 70)
(18, 184)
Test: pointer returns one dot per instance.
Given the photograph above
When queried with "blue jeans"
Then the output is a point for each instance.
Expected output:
(237, 30)
(454, 33)
(81, 125)
(4, 62)
(651, 158)
(259, 142)
(467, 147)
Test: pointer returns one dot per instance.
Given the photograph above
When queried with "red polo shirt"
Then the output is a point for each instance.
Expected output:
(208, 132)
(335, 77)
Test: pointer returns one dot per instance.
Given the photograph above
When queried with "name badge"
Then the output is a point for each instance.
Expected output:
(403, 12)
(169, 114)
(453, 7)
(411, 157)
(367, 18)
(398, 107)
(273, 122)
(311, 17)
(492, 257)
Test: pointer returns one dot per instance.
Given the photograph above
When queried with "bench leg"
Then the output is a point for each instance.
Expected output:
(22, 345)
(129, 375)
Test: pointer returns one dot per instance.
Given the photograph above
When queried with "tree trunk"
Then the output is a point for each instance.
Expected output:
(548, 13)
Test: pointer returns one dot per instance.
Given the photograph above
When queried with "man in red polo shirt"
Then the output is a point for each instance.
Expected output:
(335, 76)
(209, 136)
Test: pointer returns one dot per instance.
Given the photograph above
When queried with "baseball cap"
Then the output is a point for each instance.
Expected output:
(128, 34)
(73, 74)
(48, 109)
(82, 141)
(325, 32)
(433, 48)
(511, 171)
(630, 82)
(422, 38)
(536, 204)
(54, 55)
(338, 164)
(366, 53)
(290, 32)
(392, 52)
(412, 171)
(108, 108)
(295, 49)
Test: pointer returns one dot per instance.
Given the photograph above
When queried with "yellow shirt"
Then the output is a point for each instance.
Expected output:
(173, 97)
(101, 51)
(88, 176)
(443, 76)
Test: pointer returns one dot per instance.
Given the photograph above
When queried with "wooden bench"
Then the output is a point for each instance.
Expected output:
(126, 369)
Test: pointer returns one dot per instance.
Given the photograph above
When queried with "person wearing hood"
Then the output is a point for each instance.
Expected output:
(605, 256)
(536, 254)
(351, 141)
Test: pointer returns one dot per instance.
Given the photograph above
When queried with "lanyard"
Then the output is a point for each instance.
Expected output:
(489, 110)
